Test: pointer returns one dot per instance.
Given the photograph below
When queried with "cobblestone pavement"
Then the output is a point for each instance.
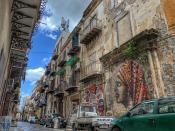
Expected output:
(23, 126)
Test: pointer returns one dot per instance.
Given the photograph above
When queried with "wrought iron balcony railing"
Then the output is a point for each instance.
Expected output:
(62, 59)
(91, 70)
(91, 31)
(62, 85)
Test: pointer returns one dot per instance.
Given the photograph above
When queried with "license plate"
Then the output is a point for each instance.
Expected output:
(104, 126)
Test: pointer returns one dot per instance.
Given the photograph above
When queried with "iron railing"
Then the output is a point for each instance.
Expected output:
(94, 23)
(91, 69)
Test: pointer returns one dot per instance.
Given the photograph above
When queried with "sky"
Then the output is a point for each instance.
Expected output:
(44, 40)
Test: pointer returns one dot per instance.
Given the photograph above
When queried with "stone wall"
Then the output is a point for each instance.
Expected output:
(167, 56)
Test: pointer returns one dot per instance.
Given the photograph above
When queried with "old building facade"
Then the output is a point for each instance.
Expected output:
(72, 95)
(26, 111)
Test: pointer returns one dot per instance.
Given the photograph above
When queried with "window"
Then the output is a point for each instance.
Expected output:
(87, 109)
(124, 32)
(113, 3)
(167, 106)
(75, 39)
(142, 109)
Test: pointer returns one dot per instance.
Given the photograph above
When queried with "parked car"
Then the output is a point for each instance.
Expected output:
(62, 122)
(43, 120)
(33, 119)
(49, 122)
(150, 115)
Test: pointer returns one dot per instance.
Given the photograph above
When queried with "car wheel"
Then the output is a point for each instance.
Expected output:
(116, 129)
(92, 129)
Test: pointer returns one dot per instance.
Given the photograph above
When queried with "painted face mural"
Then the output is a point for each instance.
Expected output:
(132, 79)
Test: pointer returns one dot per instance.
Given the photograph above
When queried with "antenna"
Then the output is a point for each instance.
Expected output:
(64, 24)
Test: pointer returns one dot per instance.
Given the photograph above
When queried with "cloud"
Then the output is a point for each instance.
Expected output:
(46, 60)
(55, 9)
(24, 94)
(52, 36)
(32, 83)
(35, 74)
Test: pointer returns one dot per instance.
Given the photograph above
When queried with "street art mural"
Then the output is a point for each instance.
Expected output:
(135, 89)
(94, 95)
(126, 87)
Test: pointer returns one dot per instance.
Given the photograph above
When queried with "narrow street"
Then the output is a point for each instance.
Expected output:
(23, 126)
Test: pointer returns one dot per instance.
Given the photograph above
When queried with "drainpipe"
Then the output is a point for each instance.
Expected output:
(159, 73)
(153, 73)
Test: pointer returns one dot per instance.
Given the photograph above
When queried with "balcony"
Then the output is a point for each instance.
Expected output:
(73, 84)
(75, 44)
(59, 91)
(55, 56)
(50, 90)
(48, 70)
(62, 59)
(73, 50)
(10, 83)
(73, 60)
(40, 89)
(91, 71)
(45, 84)
(51, 87)
(53, 73)
(16, 64)
(92, 30)
(17, 91)
(15, 98)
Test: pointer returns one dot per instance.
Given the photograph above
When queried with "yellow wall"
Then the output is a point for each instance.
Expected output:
(169, 8)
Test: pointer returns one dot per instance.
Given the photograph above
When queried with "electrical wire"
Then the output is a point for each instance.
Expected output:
(40, 53)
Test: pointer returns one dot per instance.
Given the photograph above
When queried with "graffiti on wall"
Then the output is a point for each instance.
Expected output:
(134, 89)
(94, 95)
